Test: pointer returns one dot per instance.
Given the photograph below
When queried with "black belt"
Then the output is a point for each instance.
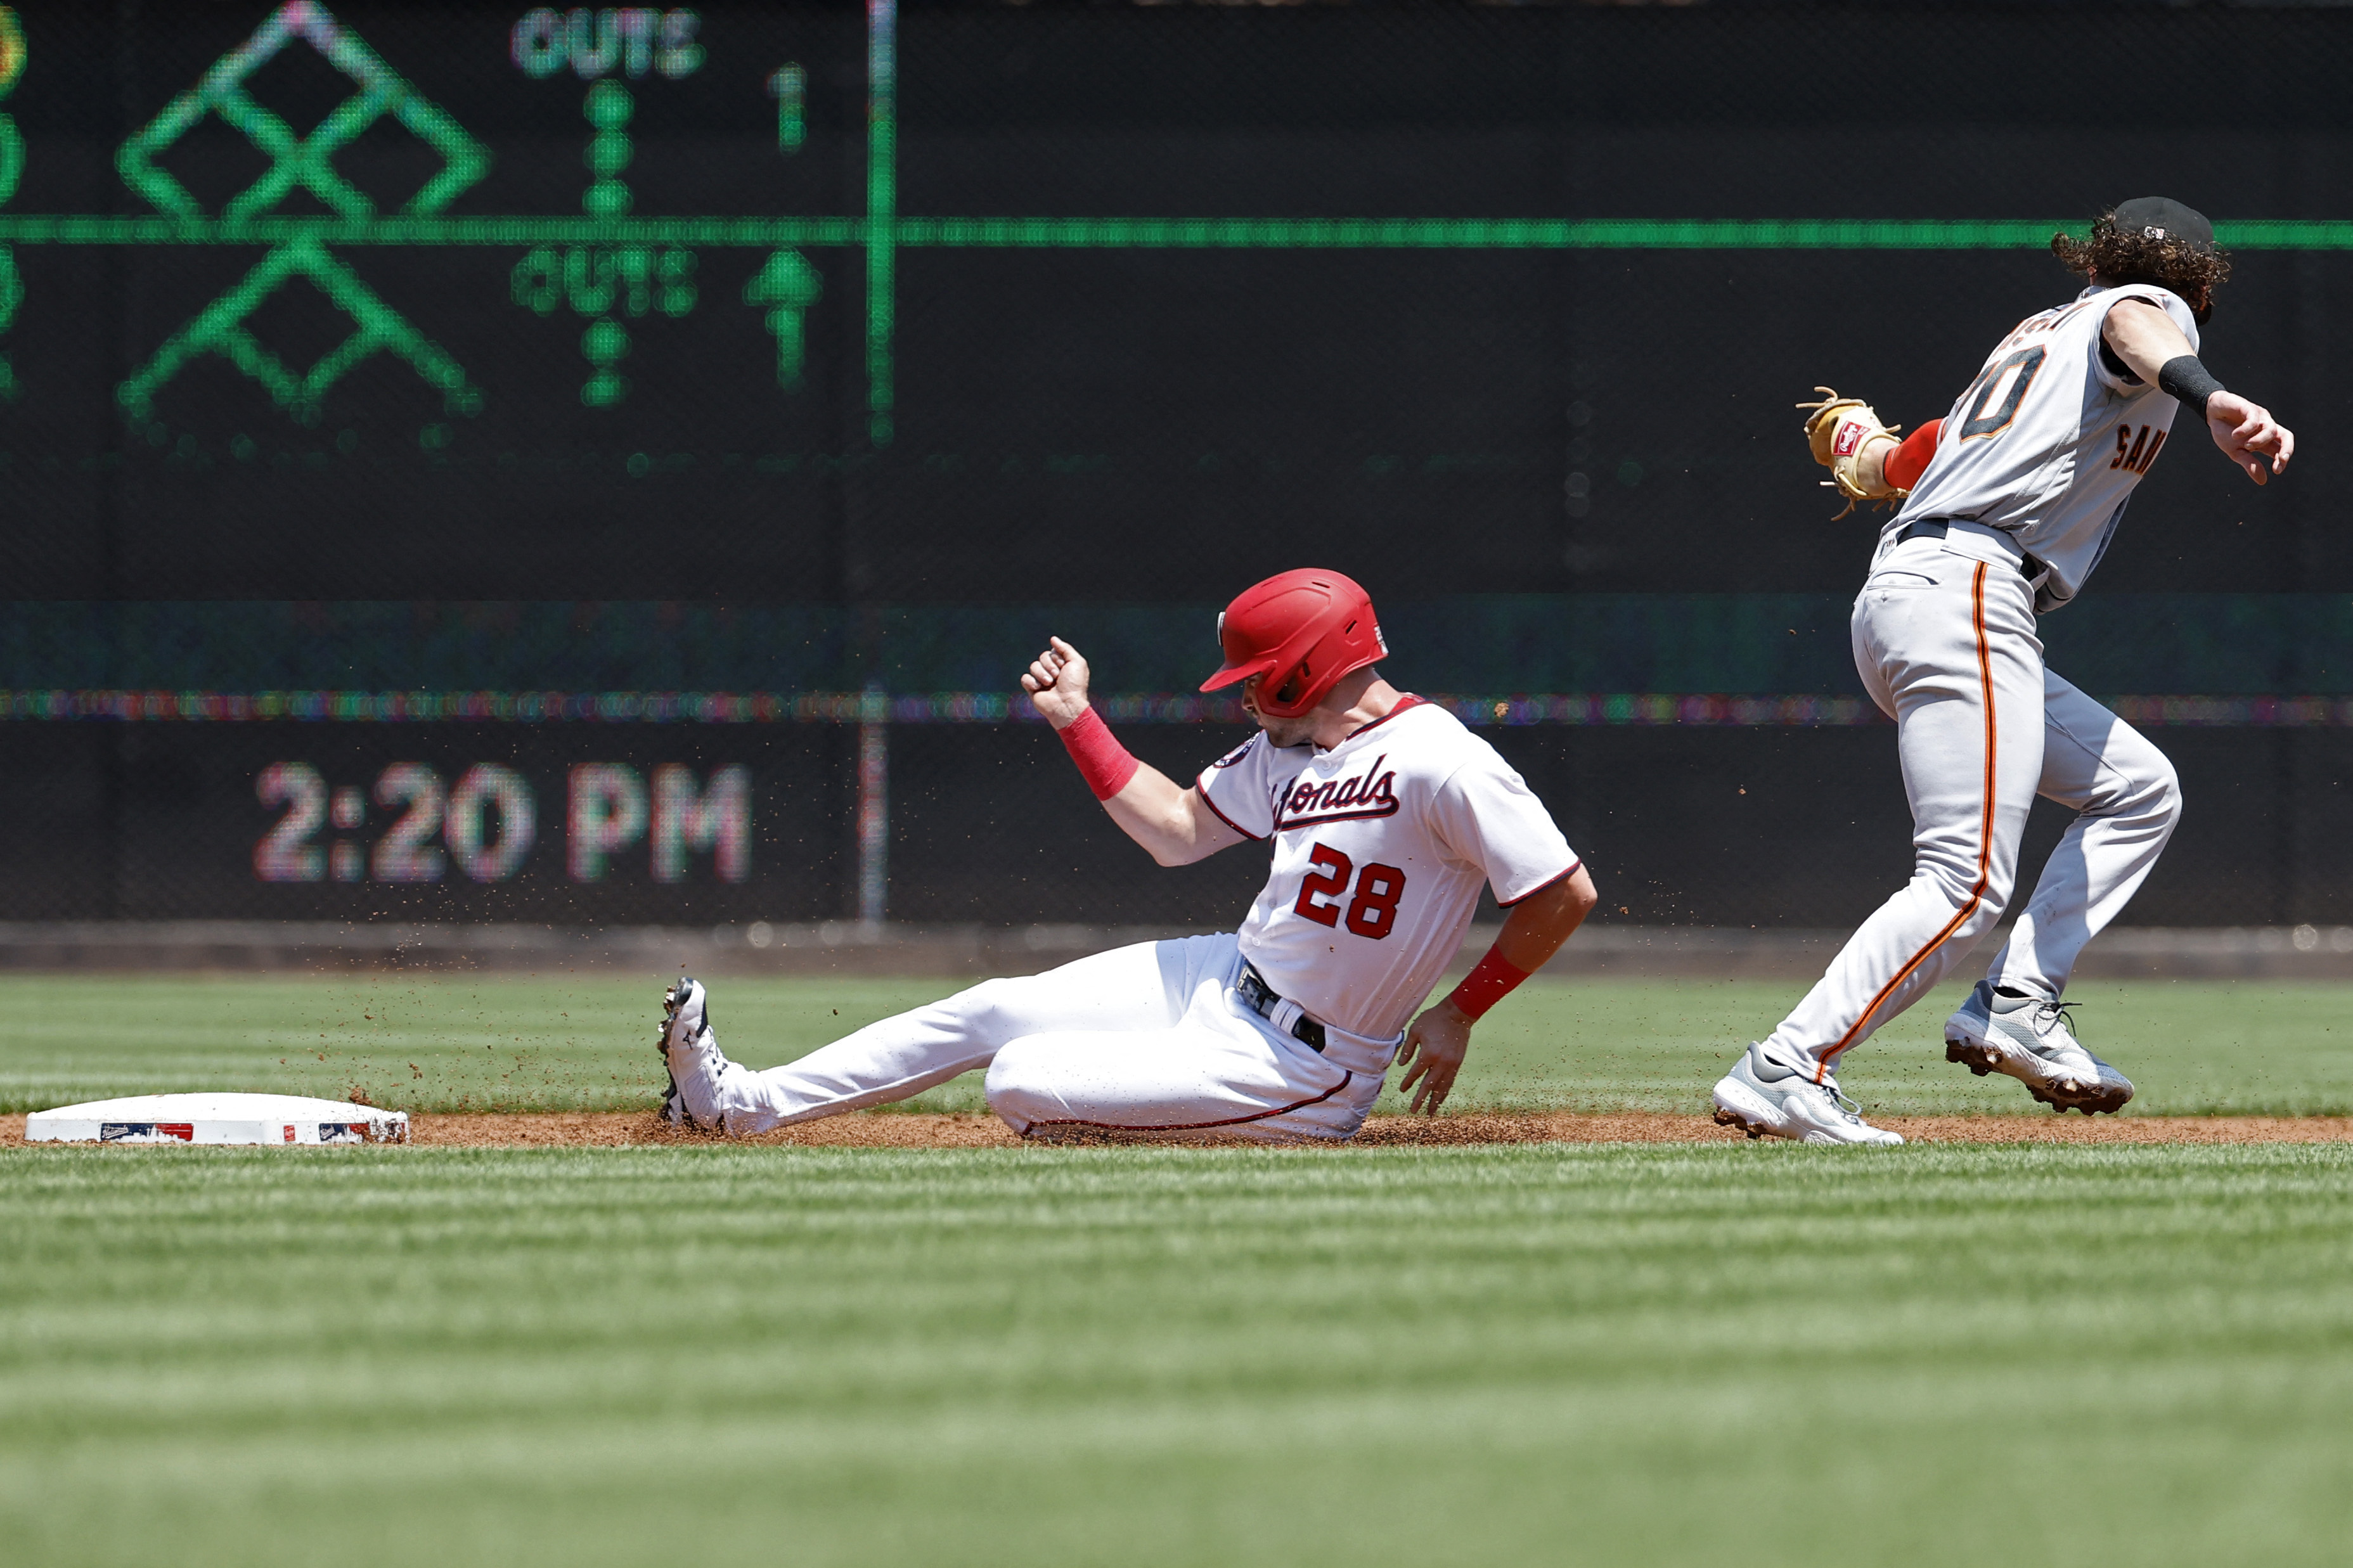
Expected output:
(1261, 999)
(2028, 566)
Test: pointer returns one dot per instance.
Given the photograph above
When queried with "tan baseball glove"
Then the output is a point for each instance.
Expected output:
(1841, 432)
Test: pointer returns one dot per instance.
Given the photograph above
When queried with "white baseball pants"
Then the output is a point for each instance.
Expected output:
(1147, 1040)
(1944, 638)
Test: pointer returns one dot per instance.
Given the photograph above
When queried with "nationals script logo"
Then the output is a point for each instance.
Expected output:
(1306, 804)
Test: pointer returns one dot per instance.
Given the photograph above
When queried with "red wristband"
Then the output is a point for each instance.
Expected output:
(1103, 761)
(1903, 465)
(1487, 985)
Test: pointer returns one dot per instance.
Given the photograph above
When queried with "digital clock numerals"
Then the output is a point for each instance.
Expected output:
(486, 823)
(286, 853)
(407, 853)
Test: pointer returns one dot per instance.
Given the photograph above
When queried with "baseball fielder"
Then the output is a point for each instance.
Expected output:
(1385, 815)
(2009, 502)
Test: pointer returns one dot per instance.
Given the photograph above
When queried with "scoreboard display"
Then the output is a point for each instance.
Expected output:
(372, 302)
(364, 301)
(795, 304)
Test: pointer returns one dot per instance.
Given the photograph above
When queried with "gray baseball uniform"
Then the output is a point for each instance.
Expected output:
(2031, 475)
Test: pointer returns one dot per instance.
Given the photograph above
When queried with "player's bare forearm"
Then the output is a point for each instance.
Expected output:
(2146, 338)
(1434, 1048)
(1175, 825)
(1540, 923)
(1172, 823)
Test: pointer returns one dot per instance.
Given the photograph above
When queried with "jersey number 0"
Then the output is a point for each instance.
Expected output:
(1984, 422)
(1374, 910)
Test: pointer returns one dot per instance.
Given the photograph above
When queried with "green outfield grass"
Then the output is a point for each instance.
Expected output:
(437, 1042)
(1703, 1354)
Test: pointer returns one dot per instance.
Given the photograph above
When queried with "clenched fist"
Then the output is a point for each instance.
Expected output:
(1057, 683)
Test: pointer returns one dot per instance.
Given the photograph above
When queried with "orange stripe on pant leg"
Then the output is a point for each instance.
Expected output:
(1985, 836)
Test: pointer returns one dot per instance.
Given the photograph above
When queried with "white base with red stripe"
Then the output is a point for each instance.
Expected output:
(216, 1119)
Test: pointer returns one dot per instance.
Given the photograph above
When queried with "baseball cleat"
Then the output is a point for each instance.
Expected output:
(1766, 1097)
(686, 1023)
(2032, 1041)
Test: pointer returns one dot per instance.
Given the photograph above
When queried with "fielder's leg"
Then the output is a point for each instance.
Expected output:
(1944, 642)
(2127, 801)
(1144, 987)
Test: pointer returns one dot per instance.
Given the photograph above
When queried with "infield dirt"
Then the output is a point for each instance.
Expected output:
(903, 1129)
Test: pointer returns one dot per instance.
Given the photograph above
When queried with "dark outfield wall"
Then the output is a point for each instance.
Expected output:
(1087, 420)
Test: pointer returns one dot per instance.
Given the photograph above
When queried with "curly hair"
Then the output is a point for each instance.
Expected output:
(2114, 255)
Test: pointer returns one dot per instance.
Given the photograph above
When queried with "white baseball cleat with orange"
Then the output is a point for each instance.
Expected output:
(1766, 1096)
(2031, 1040)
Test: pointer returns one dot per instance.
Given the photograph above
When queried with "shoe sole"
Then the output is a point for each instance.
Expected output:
(673, 999)
(1734, 1118)
(2060, 1097)
(1755, 1119)
(673, 1110)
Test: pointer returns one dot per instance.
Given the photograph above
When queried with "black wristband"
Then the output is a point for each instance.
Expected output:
(2187, 379)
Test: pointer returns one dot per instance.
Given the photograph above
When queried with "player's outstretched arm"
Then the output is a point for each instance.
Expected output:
(1172, 824)
(2157, 351)
(1534, 931)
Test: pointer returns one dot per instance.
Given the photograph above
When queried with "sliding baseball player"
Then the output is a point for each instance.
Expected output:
(1385, 817)
(2009, 502)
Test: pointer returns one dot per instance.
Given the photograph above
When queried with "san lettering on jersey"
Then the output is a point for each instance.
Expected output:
(1380, 848)
(2049, 441)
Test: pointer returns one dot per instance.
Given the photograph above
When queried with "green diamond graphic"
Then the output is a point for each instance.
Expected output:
(220, 330)
(307, 162)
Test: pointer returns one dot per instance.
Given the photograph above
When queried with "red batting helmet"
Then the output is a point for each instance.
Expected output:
(1302, 631)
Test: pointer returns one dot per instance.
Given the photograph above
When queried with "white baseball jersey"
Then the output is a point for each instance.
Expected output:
(2047, 442)
(1380, 847)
